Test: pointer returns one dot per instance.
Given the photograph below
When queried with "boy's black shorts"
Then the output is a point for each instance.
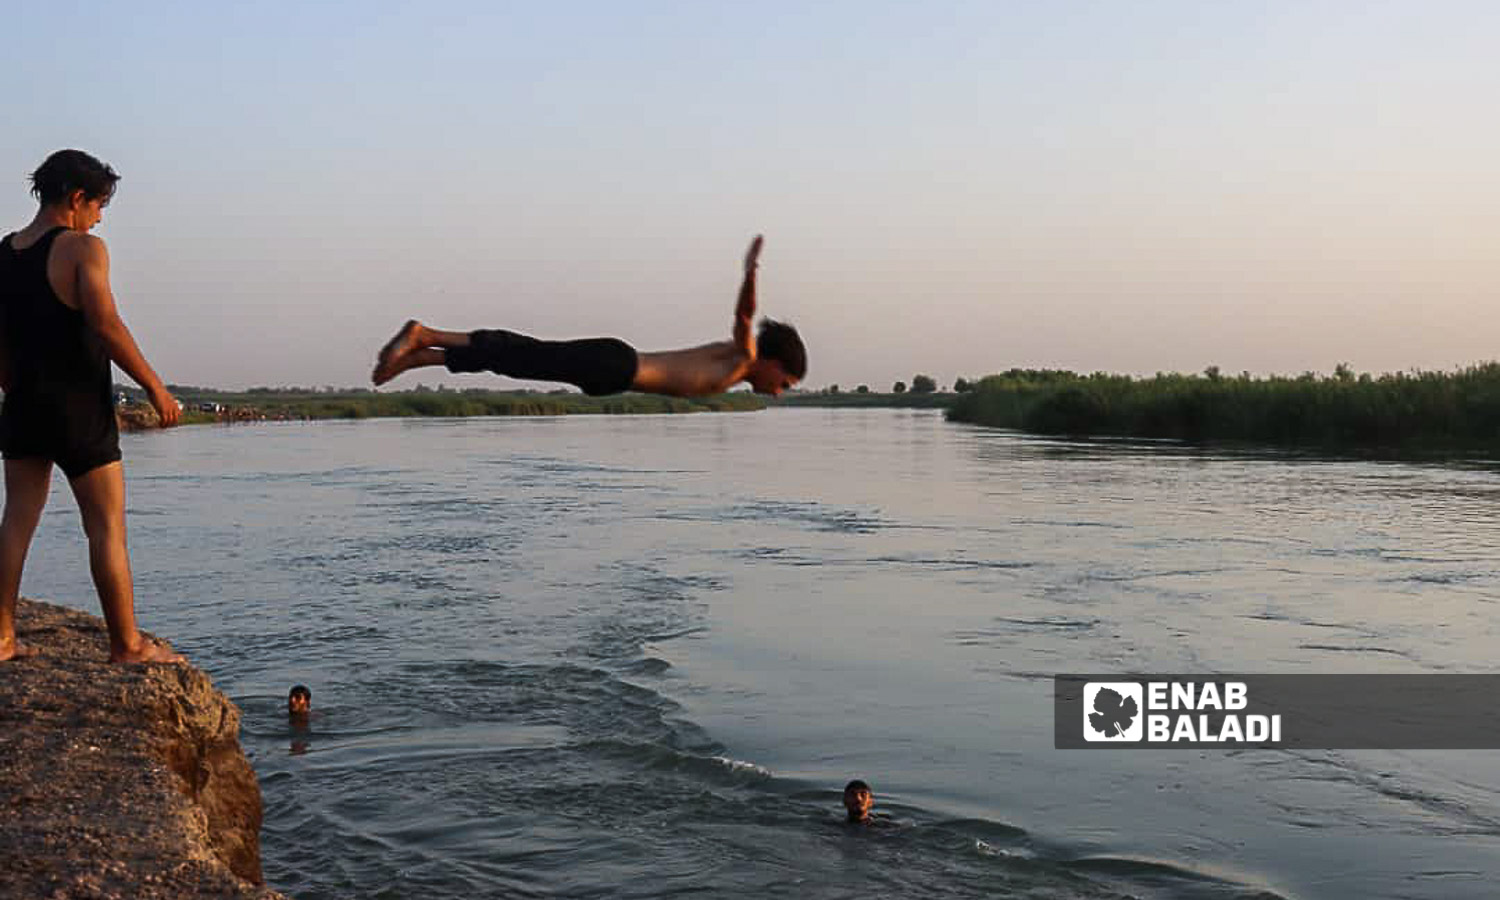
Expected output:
(596, 366)
(76, 430)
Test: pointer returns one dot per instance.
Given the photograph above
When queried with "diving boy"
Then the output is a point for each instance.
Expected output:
(771, 361)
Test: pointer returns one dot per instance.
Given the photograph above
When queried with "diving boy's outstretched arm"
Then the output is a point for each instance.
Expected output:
(744, 311)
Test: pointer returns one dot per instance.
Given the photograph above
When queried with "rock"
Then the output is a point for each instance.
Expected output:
(136, 417)
(119, 781)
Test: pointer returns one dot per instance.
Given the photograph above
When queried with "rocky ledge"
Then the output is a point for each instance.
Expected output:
(119, 781)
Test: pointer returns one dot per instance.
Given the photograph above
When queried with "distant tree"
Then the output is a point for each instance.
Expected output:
(898, 388)
(962, 386)
(1211, 373)
(862, 389)
(923, 384)
(833, 389)
(1343, 373)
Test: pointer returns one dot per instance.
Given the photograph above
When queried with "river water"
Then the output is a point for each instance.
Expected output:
(639, 656)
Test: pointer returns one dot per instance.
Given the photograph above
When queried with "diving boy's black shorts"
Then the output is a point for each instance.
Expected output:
(597, 366)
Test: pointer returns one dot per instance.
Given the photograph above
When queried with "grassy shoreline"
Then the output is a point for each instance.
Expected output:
(855, 400)
(1404, 412)
(207, 405)
(1407, 411)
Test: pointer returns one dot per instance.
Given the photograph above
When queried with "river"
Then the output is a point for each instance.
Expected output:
(639, 656)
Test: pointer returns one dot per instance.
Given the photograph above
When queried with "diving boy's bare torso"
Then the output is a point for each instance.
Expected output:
(693, 371)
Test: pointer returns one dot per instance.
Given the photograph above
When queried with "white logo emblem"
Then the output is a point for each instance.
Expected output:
(1113, 711)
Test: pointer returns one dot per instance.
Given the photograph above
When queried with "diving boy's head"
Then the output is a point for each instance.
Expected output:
(780, 358)
(76, 185)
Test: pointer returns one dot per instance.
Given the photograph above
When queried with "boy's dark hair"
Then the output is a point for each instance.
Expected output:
(67, 171)
(299, 690)
(780, 341)
(857, 785)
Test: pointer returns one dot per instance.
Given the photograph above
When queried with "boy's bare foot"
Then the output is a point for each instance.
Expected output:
(148, 651)
(388, 363)
(13, 649)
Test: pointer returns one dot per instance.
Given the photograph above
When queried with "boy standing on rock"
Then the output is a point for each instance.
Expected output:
(59, 332)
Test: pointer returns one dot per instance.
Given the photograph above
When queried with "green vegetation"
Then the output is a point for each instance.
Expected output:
(210, 405)
(1414, 410)
(865, 399)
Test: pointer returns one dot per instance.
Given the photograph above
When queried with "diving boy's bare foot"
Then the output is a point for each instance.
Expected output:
(388, 363)
(148, 651)
(13, 649)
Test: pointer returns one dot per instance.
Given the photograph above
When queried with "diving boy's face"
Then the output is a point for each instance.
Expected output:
(298, 704)
(768, 377)
(858, 802)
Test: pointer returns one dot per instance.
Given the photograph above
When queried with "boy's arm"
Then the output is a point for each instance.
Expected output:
(97, 303)
(744, 311)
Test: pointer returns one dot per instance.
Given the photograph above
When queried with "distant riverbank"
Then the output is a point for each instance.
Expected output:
(206, 405)
(1404, 410)
(855, 399)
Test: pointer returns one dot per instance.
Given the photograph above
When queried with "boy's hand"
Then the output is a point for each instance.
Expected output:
(168, 410)
(752, 256)
(744, 310)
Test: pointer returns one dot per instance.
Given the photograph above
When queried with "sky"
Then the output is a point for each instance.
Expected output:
(947, 188)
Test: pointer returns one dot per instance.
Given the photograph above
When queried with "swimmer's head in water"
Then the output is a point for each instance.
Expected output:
(780, 358)
(857, 800)
(299, 701)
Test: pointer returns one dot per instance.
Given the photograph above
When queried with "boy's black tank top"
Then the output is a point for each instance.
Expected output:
(54, 355)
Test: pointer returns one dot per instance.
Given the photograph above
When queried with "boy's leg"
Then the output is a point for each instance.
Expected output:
(101, 502)
(26, 484)
(406, 350)
(597, 366)
(414, 359)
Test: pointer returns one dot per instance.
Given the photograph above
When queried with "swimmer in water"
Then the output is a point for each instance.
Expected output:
(299, 704)
(771, 361)
(858, 800)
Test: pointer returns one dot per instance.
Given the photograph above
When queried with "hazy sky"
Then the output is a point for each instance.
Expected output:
(949, 188)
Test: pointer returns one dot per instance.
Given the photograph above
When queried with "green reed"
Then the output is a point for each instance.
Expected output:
(1398, 410)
